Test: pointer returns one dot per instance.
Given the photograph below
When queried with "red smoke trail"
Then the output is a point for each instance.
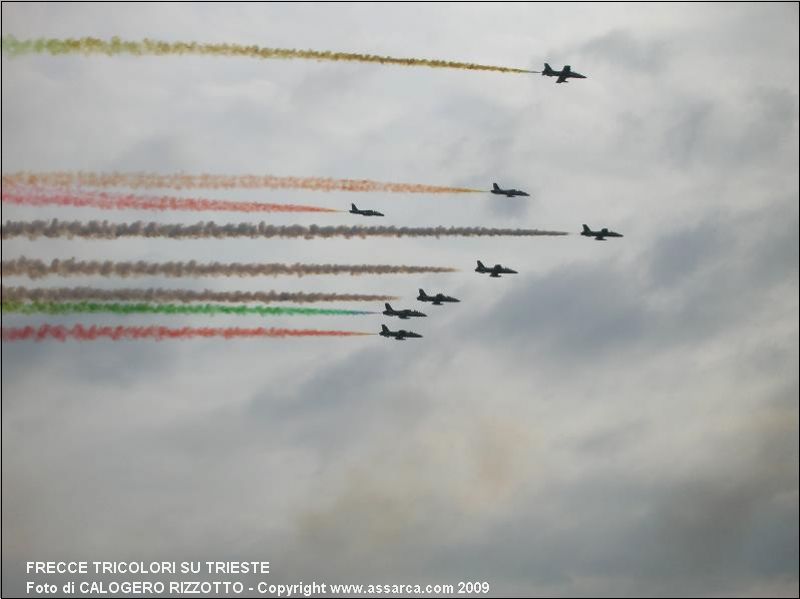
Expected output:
(208, 181)
(108, 201)
(157, 333)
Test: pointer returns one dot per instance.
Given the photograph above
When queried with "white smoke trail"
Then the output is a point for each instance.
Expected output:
(210, 230)
(77, 294)
(36, 269)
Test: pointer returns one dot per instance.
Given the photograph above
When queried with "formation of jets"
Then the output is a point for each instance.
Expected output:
(509, 193)
(563, 74)
(599, 235)
(494, 271)
(355, 210)
(401, 335)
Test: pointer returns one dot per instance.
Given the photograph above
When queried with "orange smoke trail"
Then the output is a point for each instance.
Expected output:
(158, 333)
(206, 181)
(106, 201)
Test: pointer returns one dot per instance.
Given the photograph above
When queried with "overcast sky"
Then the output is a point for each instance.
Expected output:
(620, 418)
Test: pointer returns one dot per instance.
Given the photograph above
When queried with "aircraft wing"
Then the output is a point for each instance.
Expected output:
(561, 79)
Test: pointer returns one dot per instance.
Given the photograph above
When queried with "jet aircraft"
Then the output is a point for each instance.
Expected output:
(599, 235)
(495, 271)
(400, 335)
(436, 299)
(563, 75)
(497, 190)
(354, 210)
(402, 314)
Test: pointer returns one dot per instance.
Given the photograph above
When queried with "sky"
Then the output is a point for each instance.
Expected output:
(618, 419)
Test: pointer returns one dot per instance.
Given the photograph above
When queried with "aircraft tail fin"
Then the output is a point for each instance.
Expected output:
(388, 307)
(586, 229)
(547, 69)
(422, 293)
(480, 264)
(495, 186)
(384, 328)
(353, 206)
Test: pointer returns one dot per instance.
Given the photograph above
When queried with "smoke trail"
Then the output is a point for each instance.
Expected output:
(205, 230)
(205, 309)
(82, 294)
(157, 333)
(105, 201)
(116, 46)
(36, 269)
(205, 181)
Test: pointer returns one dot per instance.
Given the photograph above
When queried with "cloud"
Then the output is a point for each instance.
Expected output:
(621, 49)
(618, 419)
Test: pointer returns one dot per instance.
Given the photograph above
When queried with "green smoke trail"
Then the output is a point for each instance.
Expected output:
(139, 308)
(115, 46)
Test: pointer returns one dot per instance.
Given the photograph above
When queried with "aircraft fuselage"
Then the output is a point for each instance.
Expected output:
(355, 210)
(437, 299)
(599, 235)
(563, 75)
(495, 271)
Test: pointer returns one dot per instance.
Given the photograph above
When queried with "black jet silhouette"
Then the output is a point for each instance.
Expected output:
(402, 314)
(436, 299)
(354, 210)
(400, 335)
(599, 235)
(497, 190)
(495, 271)
(563, 75)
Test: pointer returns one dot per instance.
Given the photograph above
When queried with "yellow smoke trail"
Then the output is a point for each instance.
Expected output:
(206, 181)
(116, 46)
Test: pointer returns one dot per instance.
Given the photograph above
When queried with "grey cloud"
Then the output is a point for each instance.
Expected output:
(618, 419)
(621, 48)
(718, 270)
